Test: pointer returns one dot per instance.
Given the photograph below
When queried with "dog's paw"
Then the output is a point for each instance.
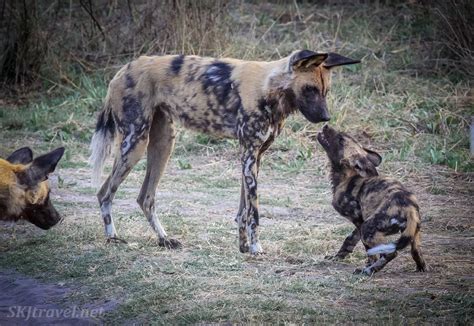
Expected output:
(244, 248)
(256, 249)
(421, 269)
(363, 271)
(115, 240)
(333, 257)
(170, 243)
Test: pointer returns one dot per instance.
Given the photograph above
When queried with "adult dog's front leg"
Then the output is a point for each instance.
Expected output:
(250, 215)
(241, 219)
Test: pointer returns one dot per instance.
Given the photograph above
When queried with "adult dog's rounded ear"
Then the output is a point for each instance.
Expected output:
(41, 167)
(23, 155)
(335, 60)
(306, 59)
(373, 157)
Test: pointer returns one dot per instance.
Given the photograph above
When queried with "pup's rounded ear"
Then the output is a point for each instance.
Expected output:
(373, 157)
(306, 59)
(23, 155)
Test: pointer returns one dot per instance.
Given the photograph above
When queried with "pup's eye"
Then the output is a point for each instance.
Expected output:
(341, 141)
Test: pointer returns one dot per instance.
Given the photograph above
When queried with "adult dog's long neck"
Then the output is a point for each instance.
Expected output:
(279, 97)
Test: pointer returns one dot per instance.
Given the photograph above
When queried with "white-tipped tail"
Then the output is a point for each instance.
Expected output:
(100, 150)
(101, 144)
(382, 249)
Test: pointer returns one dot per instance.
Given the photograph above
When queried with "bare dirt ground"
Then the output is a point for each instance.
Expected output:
(210, 281)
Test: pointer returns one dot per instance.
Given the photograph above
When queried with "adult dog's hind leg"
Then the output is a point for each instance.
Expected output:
(123, 164)
(160, 146)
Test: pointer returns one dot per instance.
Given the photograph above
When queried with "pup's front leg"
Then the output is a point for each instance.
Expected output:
(348, 246)
(249, 171)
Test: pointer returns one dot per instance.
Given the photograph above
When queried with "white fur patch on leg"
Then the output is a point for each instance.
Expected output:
(156, 225)
(256, 249)
(110, 230)
(382, 249)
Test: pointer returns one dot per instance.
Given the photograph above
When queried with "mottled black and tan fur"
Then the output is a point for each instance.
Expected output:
(246, 100)
(24, 187)
(378, 206)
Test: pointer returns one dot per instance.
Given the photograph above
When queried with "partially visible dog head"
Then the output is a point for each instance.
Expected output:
(308, 80)
(347, 154)
(24, 188)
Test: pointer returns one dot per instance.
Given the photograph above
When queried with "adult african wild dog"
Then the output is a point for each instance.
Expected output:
(248, 100)
(377, 206)
(24, 189)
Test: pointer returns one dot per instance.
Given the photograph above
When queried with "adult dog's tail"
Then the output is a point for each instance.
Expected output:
(102, 142)
(408, 235)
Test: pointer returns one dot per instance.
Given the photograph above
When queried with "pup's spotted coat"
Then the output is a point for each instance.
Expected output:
(376, 205)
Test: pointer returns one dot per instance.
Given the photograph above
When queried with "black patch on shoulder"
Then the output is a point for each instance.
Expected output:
(129, 82)
(216, 79)
(176, 64)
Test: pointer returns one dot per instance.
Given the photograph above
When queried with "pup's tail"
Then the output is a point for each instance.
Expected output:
(413, 226)
(101, 143)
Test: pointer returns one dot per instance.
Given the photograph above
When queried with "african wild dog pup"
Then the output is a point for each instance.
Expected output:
(378, 206)
(246, 100)
(24, 189)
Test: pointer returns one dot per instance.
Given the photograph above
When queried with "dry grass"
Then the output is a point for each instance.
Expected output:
(210, 281)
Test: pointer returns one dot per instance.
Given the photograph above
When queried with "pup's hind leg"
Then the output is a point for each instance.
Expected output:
(371, 237)
(160, 146)
(416, 253)
(131, 151)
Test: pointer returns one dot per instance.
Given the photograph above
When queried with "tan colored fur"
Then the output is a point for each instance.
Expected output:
(24, 189)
